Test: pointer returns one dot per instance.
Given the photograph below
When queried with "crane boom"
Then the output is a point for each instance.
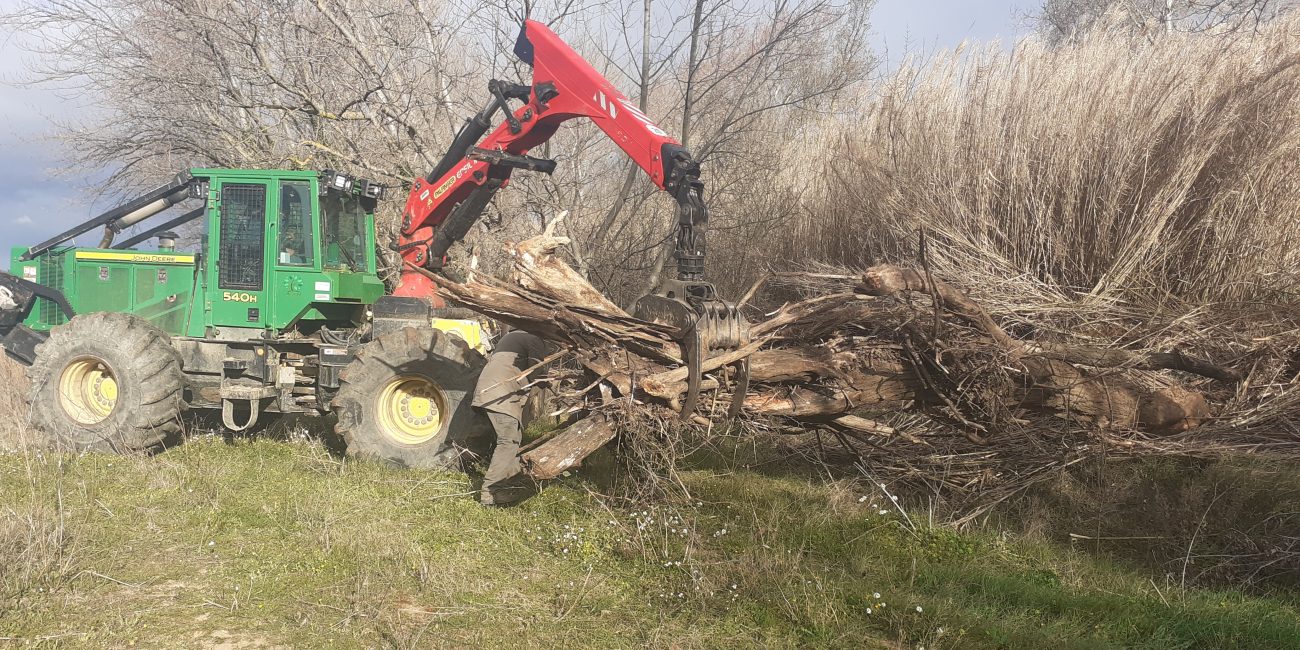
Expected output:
(443, 205)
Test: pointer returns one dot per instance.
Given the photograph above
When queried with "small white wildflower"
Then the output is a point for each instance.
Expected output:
(868, 610)
(918, 609)
(212, 543)
(893, 497)
(862, 498)
(876, 595)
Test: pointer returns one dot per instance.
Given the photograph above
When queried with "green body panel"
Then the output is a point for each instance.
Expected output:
(267, 262)
(157, 287)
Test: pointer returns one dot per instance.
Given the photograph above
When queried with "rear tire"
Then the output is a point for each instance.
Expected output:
(404, 393)
(106, 382)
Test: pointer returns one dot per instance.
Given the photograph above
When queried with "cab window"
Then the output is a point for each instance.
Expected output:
(297, 236)
(344, 238)
(242, 233)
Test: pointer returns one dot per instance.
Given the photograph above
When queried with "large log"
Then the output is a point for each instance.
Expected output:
(1109, 358)
(566, 449)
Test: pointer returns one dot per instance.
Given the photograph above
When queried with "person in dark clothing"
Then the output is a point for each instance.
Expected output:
(502, 393)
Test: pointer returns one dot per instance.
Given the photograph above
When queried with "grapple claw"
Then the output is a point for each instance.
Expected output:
(692, 356)
(704, 324)
(742, 387)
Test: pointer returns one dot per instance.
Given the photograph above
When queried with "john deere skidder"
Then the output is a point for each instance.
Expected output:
(280, 309)
(277, 309)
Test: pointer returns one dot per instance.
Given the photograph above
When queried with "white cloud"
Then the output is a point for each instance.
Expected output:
(23, 221)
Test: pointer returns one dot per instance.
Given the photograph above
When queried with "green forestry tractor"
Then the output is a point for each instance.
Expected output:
(278, 309)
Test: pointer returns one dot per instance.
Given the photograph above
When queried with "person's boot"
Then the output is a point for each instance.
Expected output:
(508, 492)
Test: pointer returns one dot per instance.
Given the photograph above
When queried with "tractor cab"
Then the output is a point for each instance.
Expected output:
(285, 250)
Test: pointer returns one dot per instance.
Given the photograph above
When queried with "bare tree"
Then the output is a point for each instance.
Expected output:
(1065, 19)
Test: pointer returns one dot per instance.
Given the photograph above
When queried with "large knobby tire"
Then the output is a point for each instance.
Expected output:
(404, 393)
(106, 382)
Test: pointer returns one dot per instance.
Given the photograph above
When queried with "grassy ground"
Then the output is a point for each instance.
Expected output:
(272, 543)
(265, 543)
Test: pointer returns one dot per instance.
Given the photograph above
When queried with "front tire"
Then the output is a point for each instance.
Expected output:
(106, 382)
(403, 394)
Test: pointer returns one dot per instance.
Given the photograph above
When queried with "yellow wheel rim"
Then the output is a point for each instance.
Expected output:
(88, 390)
(411, 409)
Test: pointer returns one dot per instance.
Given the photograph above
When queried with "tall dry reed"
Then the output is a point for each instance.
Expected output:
(1109, 169)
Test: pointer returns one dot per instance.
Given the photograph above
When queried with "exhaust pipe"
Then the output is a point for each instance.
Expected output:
(140, 214)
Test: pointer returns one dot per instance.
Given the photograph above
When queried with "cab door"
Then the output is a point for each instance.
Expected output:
(296, 280)
(240, 255)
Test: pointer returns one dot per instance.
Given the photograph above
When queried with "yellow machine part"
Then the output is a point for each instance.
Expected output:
(470, 331)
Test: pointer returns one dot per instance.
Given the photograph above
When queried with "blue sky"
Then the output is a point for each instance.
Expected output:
(35, 205)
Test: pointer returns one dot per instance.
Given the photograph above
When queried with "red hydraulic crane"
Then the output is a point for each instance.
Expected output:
(444, 204)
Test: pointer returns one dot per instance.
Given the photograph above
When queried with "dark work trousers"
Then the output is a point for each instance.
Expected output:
(497, 486)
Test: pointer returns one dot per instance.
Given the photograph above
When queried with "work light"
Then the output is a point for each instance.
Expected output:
(371, 189)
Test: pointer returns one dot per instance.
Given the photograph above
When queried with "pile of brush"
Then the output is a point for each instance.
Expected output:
(905, 371)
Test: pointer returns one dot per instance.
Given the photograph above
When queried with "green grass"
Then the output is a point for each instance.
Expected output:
(276, 543)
